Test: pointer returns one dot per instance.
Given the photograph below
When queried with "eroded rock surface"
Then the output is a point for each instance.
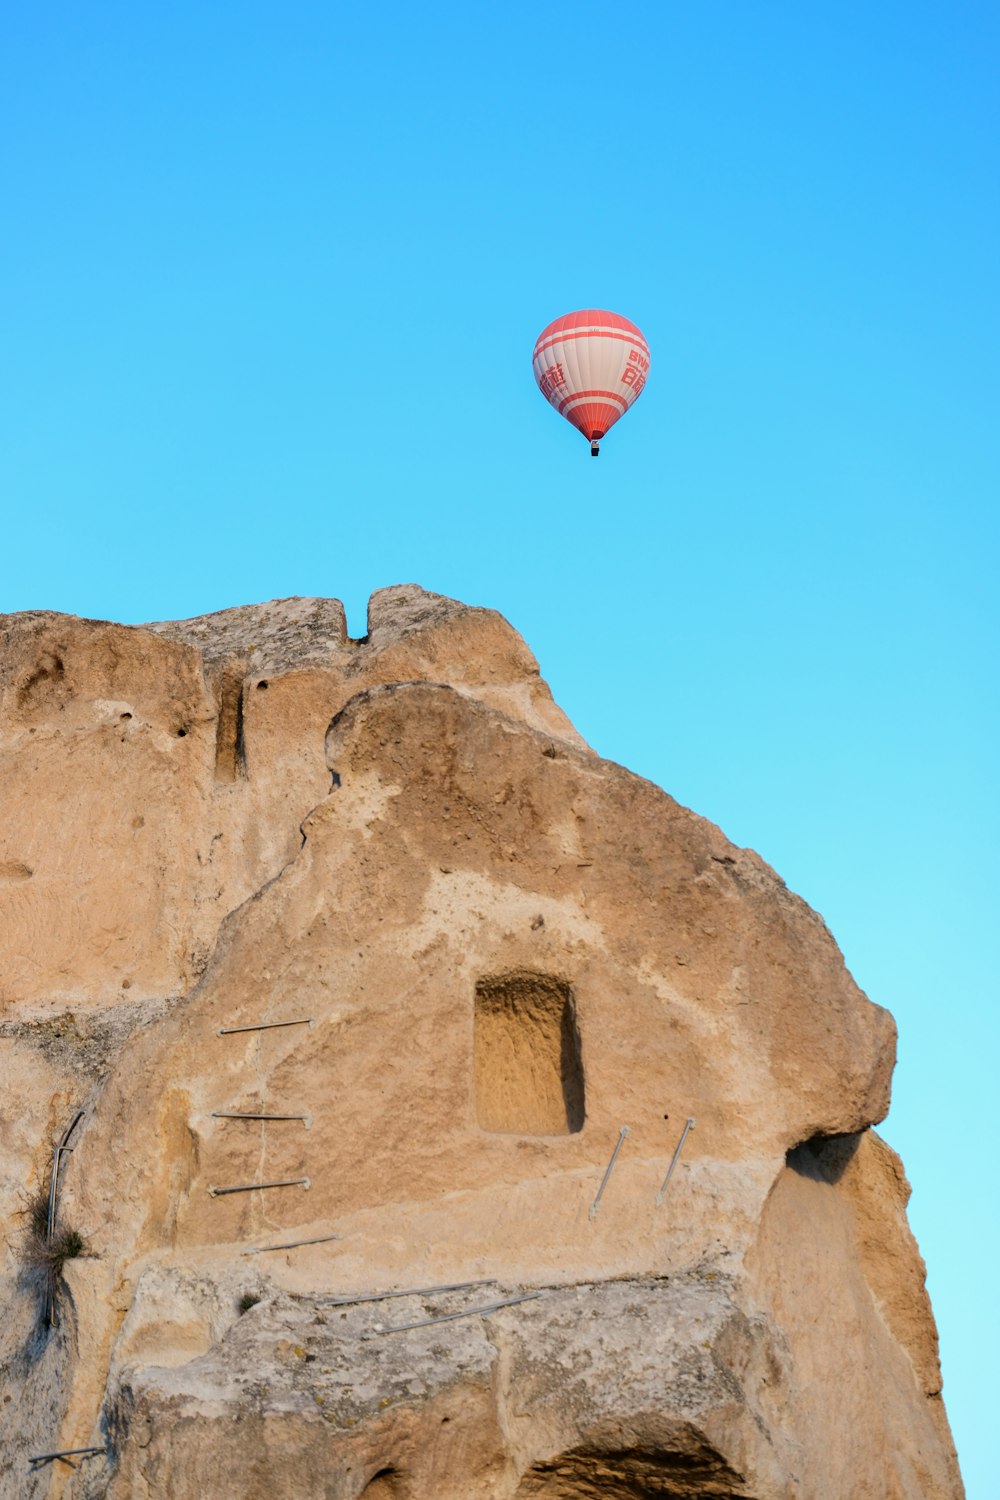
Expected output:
(381, 892)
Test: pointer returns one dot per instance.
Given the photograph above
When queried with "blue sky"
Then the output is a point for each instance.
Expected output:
(269, 283)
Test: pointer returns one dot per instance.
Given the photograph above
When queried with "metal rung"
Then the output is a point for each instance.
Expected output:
(610, 1168)
(470, 1312)
(673, 1161)
(266, 1026)
(249, 1187)
(232, 1114)
(320, 1239)
(39, 1459)
(407, 1291)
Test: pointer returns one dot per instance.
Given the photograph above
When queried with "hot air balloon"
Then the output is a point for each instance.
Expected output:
(591, 366)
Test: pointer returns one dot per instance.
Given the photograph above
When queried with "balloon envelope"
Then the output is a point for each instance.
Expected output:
(591, 366)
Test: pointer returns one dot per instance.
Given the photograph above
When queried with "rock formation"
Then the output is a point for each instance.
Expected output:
(380, 892)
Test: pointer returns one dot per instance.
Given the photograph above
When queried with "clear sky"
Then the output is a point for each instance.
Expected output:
(270, 276)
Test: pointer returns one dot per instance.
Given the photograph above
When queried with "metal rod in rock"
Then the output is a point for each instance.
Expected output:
(610, 1168)
(406, 1291)
(50, 1220)
(319, 1239)
(232, 1114)
(54, 1180)
(67, 1453)
(266, 1025)
(673, 1162)
(249, 1187)
(470, 1312)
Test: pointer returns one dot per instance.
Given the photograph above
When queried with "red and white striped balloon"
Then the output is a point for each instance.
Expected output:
(591, 366)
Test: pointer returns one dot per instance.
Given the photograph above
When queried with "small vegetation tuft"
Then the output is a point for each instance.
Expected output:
(248, 1300)
(51, 1256)
(46, 1258)
(36, 1211)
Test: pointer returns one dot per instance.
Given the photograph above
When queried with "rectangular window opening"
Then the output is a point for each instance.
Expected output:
(528, 1067)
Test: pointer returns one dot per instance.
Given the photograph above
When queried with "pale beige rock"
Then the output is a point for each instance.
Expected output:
(155, 777)
(499, 950)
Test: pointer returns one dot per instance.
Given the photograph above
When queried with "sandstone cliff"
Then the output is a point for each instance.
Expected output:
(380, 892)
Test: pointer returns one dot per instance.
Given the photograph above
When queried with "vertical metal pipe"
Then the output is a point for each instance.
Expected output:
(50, 1222)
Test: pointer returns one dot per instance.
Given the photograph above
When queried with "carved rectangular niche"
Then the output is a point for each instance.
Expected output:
(528, 1070)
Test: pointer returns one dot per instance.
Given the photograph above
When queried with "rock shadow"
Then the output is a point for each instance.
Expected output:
(824, 1158)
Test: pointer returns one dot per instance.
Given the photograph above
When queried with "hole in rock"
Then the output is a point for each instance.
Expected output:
(385, 1485)
(528, 1069)
(825, 1158)
(694, 1470)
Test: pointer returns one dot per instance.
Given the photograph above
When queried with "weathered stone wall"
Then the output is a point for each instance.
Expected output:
(497, 951)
